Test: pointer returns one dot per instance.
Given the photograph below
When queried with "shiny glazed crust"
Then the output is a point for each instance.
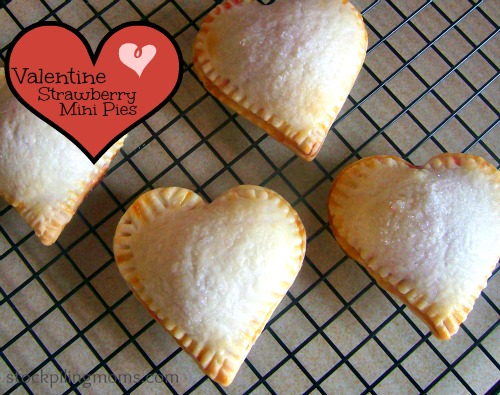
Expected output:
(221, 365)
(304, 143)
(419, 303)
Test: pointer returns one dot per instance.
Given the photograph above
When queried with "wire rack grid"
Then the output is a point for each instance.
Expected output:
(429, 85)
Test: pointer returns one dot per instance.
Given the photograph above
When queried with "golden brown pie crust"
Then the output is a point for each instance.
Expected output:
(224, 90)
(49, 229)
(442, 327)
(219, 365)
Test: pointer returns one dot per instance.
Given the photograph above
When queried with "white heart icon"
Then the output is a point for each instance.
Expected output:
(136, 58)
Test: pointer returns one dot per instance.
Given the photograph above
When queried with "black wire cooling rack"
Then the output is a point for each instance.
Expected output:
(429, 85)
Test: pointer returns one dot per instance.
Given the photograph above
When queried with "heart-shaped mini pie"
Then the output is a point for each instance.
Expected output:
(211, 274)
(429, 234)
(43, 174)
(288, 67)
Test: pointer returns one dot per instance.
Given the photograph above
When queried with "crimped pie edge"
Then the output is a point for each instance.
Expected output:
(442, 329)
(146, 208)
(224, 90)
